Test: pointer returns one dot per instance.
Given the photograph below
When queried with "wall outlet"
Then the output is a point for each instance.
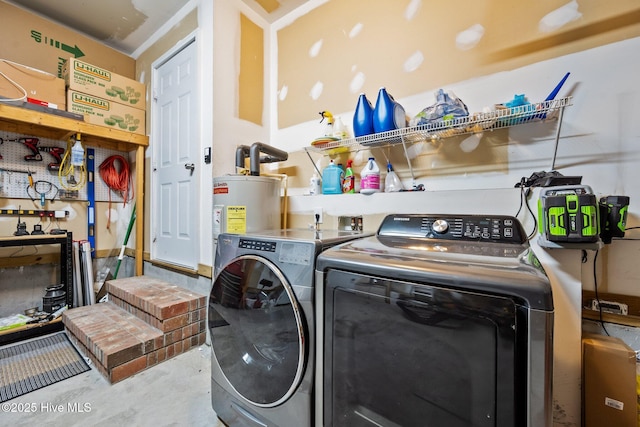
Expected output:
(317, 215)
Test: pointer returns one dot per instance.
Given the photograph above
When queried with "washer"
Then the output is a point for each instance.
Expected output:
(443, 320)
(262, 327)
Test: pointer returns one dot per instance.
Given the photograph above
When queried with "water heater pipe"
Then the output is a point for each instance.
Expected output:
(273, 155)
(242, 152)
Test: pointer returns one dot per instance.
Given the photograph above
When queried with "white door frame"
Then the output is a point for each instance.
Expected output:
(153, 200)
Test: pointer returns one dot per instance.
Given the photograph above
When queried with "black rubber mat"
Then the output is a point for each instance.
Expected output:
(32, 365)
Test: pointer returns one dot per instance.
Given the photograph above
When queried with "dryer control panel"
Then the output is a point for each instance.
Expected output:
(484, 228)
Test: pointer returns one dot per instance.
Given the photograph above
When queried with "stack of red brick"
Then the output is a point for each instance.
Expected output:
(145, 322)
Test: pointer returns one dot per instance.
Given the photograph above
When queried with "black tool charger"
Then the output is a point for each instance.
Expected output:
(613, 217)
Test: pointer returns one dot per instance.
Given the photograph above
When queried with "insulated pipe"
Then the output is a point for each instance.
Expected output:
(274, 155)
(242, 152)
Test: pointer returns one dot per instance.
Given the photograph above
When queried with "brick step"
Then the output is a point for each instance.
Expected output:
(117, 342)
(160, 304)
(139, 328)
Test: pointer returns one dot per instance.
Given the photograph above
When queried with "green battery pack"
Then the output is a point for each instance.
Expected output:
(569, 216)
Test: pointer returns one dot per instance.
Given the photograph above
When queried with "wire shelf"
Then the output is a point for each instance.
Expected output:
(478, 122)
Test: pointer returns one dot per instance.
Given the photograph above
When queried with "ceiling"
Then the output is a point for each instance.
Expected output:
(126, 24)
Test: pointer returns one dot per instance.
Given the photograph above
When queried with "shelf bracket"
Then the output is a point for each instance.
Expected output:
(406, 155)
(312, 162)
(557, 139)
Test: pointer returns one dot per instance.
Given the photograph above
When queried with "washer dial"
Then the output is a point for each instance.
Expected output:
(440, 226)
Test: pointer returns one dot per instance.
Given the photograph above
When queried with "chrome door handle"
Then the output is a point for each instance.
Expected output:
(190, 166)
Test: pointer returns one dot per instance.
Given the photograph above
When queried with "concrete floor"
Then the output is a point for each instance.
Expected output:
(176, 392)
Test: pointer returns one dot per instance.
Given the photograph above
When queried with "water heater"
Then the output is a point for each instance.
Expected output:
(244, 204)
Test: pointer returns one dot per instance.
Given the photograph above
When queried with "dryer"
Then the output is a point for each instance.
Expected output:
(262, 326)
(443, 320)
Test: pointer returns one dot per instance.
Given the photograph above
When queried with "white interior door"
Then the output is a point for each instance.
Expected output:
(176, 146)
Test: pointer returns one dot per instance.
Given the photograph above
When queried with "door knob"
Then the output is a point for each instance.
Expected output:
(190, 166)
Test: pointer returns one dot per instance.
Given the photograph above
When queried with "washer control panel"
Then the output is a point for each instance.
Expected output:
(257, 245)
(287, 252)
(485, 228)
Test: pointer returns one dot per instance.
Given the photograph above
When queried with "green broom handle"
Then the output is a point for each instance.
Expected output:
(126, 240)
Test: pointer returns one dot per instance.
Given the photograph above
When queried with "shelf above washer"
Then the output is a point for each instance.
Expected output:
(474, 123)
(477, 123)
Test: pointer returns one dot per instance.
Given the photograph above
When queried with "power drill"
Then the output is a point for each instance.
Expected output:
(57, 153)
(32, 144)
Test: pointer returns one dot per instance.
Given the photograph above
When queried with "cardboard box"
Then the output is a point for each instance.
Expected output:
(608, 382)
(32, 40)
(92, 80)
(41, 88)
(103, 112)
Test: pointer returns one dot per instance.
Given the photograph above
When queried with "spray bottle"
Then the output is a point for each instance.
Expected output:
(349, 184)
(328, 126)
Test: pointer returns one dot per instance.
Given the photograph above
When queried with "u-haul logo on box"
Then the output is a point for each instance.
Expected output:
(81, 98)
(91, 70)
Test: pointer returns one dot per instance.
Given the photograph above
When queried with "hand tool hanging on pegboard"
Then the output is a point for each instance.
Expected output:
(56, 153)
(27, 172)
(32, 144)
(43, 189)
(7, 171)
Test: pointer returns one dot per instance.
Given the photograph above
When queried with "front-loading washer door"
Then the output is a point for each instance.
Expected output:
(257, 331)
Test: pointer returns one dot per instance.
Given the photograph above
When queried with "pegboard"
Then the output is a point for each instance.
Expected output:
(14, 184)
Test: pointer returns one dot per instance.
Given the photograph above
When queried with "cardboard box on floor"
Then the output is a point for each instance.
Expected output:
(608, 382)
(42, 44)
(103, 112)
(18, 81)
(81, 76)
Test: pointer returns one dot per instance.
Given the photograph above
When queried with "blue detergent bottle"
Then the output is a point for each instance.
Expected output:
(363, 117)
(332, 177)
(387, 114)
